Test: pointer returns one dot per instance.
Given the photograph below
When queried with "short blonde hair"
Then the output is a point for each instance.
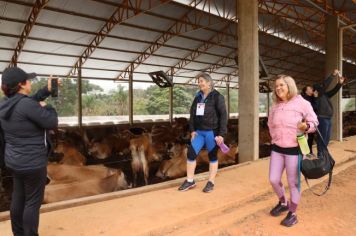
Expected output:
(292, 88)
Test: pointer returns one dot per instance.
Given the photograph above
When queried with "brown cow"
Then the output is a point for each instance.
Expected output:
(175, 167)
(71, 155)
(65, 191)
(142, 153)
(180, 127)
(264, 137)
(63, 173)
(110, 145)
(224, 159)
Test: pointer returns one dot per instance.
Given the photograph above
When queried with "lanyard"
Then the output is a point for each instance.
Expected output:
(203, 100)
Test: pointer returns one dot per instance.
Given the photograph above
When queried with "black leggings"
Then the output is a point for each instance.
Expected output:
(213, 154)
(310, 142)
(27, 196)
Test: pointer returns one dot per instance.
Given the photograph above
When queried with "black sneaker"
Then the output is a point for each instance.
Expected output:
(208, 187)
(186, 186)
(290, 220)
(277, 210)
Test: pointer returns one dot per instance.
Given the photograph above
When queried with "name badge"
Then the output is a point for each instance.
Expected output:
(200, 109)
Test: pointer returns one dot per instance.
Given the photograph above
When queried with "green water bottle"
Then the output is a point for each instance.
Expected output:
(303, 143)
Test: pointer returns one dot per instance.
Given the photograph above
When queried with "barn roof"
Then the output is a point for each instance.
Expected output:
(109, 38)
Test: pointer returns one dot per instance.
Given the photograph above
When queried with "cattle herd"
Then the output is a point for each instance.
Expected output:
(105, 159)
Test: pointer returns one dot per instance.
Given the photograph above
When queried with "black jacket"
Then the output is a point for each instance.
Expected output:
(215, 115)
(310, 99)
(323, 105)
(24, 123)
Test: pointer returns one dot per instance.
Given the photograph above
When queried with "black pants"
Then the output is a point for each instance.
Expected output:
(310, 141)
(27, 196)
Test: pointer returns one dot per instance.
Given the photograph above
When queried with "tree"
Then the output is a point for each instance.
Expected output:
(350, 105)
(65, 103)
(88, 87)
(119, 100)
(140, 102)
(234, 100)
(182, 100)
(158, 102)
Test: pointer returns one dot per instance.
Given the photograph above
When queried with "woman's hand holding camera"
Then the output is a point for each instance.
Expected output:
(49, 82)
(338, 74)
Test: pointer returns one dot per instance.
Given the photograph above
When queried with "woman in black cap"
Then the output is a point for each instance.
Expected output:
(24, 121)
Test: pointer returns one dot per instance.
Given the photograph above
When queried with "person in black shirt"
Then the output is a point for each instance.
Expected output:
(208, 126)
(324, 108)
(308, 94)
(24, 120)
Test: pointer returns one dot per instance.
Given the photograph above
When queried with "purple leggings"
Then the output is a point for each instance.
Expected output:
(277, 164)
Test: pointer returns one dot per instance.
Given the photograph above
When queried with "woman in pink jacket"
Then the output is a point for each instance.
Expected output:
(290, 115)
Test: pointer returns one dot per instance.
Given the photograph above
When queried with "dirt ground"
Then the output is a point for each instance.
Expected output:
(332, 214)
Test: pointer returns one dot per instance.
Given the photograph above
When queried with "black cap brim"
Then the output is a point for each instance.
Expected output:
(31, 75)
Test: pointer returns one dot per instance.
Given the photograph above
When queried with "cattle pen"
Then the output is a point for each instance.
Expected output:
(234, 208)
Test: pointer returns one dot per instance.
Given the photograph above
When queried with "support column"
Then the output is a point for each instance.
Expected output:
(171, 104)
(131, 96)
(228, 99)
(79, 86)
(333, 61)
(248, 80)
(268, 104)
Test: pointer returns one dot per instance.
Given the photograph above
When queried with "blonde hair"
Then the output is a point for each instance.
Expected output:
(292, 88)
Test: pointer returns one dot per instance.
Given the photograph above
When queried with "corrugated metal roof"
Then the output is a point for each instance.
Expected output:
(204, 37)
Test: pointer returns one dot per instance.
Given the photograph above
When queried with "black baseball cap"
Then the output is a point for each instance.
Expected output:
(13, 75)
(318, 87)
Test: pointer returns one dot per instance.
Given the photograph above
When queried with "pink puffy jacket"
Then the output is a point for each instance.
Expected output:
(284, 117)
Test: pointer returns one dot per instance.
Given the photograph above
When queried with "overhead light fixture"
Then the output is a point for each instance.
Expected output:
(161, 79)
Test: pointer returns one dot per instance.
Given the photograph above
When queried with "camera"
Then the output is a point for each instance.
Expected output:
(54, 87)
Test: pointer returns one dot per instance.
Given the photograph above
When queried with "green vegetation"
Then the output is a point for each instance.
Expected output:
(349, 104)
(151, 101)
